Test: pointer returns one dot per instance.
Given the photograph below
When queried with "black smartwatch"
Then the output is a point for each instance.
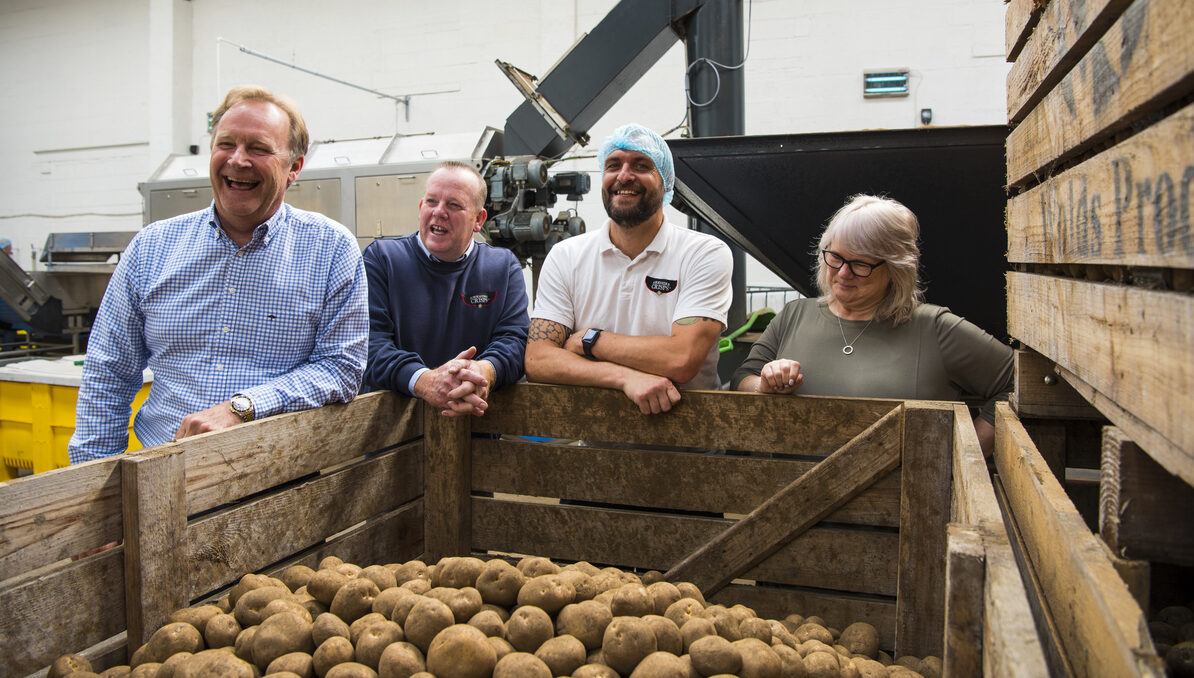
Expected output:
(588, 340)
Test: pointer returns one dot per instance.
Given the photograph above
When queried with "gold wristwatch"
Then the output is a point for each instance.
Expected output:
(242, 406)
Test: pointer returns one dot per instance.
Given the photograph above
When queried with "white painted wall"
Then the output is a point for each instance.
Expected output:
(96, 93)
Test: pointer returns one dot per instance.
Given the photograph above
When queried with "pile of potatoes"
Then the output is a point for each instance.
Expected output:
(1172, 629)
(468, 618)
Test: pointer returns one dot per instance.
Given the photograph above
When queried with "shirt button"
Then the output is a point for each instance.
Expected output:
(240, 253)
(231, 290)
(219, 368)
(227, 329)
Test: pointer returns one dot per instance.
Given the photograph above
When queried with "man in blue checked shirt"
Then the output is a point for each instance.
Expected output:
(242, 310)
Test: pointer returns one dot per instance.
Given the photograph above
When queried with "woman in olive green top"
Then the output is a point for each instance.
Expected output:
(870, 334)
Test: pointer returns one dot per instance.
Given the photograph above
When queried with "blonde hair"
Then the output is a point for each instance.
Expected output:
(885, 229)
(298, 141)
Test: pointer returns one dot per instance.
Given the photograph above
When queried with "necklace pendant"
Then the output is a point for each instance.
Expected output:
(847, 349)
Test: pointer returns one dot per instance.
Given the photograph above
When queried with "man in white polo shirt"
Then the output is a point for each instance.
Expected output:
(638, 304)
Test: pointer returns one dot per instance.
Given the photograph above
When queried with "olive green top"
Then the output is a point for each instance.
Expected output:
(935, 355)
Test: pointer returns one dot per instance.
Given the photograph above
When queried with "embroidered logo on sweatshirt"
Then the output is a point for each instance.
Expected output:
(661, 286)
(478, 299)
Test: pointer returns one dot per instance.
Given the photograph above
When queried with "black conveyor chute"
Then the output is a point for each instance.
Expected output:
(592, 77)
(773, 195)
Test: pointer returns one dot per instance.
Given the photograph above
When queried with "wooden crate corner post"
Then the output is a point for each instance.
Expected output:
(447, 503)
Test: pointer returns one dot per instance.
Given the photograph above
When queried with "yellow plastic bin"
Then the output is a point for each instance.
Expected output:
(37, 413)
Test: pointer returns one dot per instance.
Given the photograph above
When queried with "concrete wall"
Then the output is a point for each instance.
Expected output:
(97, 93)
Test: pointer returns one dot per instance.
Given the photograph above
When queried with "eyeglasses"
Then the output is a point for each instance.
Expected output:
(861, 269)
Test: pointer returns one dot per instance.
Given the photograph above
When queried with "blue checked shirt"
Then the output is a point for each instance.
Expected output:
(283, 320)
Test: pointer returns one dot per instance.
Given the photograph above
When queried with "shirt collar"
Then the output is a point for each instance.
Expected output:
(265, 231)
(467, 251)
(658, 243)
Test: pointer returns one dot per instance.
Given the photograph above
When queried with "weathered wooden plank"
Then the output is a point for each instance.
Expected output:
(806, 425)
(1019, 20)
(155, 521)
(1011, 644)
(965, 587)
(660, 479)
(974, 502)
(839, 558)
(224, 545)
(1143, 62)
(1131, 345)
(791, 511)
(1102, 629)
(242, 460)
(57, 514)
(926, 469)
(1040, 393)
(447, 474)
(41, 620)
(1142, 507)
(1062, 35)
(1126, 206)
(392, 537)
(837, 610)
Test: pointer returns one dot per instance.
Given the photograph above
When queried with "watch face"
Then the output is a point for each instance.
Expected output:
(240, 403)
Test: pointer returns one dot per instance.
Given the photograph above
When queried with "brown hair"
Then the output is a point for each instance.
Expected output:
(482, 190)
(299, 139)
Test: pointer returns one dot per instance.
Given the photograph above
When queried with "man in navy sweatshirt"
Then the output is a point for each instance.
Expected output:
(447, 315)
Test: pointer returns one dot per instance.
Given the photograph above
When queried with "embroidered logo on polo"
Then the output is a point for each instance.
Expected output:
(478, 299)
(660, 285)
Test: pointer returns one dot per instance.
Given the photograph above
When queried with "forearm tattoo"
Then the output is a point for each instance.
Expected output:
(546, 330)
(693, 319)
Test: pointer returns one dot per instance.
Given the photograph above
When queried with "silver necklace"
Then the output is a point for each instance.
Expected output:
(849, 347)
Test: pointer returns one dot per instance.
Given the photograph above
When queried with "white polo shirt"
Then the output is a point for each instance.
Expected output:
(588, 282)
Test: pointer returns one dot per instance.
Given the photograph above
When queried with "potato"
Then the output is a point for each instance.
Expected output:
(145, 670)
(251, 606)
(860, 638)
(419, 586)
(724, 621)
(281, 634)
(869, 668)
(358, 627)
(528, 628)
(695, 629)
(400, 660)
(792, 622)
(248, 583)
(296, 576)
(195, 616)
(350, 670)
(595, 671)
(68, 663)
(332, 651)
(781, 634)
(457, 572)
(713, 654)
(349, 570)
(499, 583)
(814, 631)
(521, 665)
(299, 663)
(758, 659)
(791, 664)
(221, 631)
(489, 623)
(632, 600)
(548, 592)
(534, 566)
(821, 665)
(626, 642)
(215, 663)
(684, 609)
(1179, 659)
(464, 602)
(501, 646)
(243, 647)
(327, 625)
(813, 645)
(582, 584)
(354, 599)
(690, 590)
(562, 654)
(330, 563)
(585, 621)
(411, 569)
(606, 581)
(386, 600)
(660, 665)
(930, 667)
(583, 566)
(375, 640)
(461, 651)
(667, 634)
(427, 618)
(324, 585)
(379, 575)
(663, 594)
(171, 664)
(171, 638)
(118, 671)
(1176, 615)
(404, 605)
(289, 604)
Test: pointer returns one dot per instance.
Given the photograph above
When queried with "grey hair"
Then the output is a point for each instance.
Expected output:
(885, 229)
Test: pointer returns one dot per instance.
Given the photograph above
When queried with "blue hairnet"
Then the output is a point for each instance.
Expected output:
(4, 242)
(635, 137)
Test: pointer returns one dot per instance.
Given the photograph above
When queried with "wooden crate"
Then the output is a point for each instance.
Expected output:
(852, 509)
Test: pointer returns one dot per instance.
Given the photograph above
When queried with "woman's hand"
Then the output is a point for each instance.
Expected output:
(780, 376)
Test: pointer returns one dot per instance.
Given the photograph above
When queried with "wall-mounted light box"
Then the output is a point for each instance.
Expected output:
(885, 83)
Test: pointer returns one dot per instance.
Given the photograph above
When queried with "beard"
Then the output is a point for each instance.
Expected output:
(649, 202)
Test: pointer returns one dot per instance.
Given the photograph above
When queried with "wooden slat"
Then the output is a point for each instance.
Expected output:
(1011, 644)
(1126, 206)
(807, 425)
(1040, 393)
(57, 514)
(837, 610)
(965, 588)
(791, 511)
(392, 537)
(245, 538)
(447, 472)
(1143, 62)
(926, 469)
(1142, 507)
(855, 560)
(1130, 345)
(155, 521)
(675, 480)
(76, 605)
(974, 502)
(1102, 629)
(1019, 19)
(1064, 33)
(242, 460)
